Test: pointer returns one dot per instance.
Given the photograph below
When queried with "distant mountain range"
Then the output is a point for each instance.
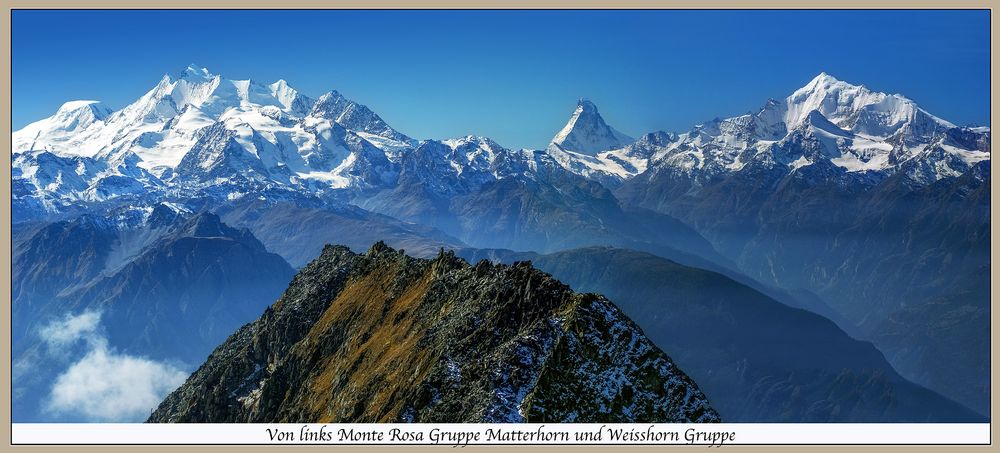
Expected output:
(200, 198)
(167, 285)
(758, 359)
(201, 135)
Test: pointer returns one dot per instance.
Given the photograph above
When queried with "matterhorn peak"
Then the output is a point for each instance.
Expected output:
(587, 133)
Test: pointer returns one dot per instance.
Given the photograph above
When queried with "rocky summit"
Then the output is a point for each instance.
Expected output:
(384, 337)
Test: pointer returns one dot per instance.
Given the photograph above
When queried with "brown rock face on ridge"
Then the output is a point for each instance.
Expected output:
(383, 337)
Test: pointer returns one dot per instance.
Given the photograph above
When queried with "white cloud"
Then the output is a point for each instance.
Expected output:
(62, 332)
(105, 385)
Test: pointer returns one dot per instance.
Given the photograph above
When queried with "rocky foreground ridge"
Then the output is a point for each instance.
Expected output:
(384, 337)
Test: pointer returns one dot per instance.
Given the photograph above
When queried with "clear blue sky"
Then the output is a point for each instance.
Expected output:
(514, 76)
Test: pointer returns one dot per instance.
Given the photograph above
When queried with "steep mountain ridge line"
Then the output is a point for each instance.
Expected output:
(435, 340)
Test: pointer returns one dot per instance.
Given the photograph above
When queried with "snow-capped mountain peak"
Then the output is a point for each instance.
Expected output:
(858, 109)
(199, 131)
(58, 130)
(288, 97)
(587, 133)
(195, 73)
(590, 147)
(76, 115)
(834, 99)
(95, 107)
(863, 132)
(202, 134)
(352, 115)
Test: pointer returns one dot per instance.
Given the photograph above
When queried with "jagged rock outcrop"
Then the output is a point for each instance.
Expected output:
(383, 337)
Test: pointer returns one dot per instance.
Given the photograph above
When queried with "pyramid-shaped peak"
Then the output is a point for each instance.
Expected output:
(837, 100)
(587, 133)
(823, 75)
(825, 82)
(825, 79)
